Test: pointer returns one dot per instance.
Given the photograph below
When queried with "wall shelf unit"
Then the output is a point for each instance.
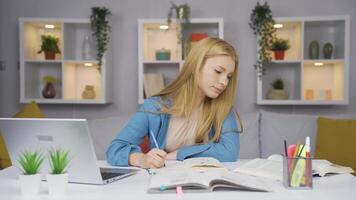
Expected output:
(151, 38)
(317, 81)
(72, 70)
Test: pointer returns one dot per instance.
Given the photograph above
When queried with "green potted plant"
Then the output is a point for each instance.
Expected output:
(261, 22)
(49, 90)
(279, 46)
(58, 178)
(101, 30)
(182, 13)
(277, 91)
(30, 164)
(49, 46)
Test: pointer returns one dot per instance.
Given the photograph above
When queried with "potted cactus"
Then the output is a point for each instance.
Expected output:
(58, 178)
(30, 164)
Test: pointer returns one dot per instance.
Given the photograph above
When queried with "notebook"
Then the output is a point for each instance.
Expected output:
(204, 181)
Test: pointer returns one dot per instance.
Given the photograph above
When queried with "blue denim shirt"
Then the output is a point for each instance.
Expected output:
(150, 117)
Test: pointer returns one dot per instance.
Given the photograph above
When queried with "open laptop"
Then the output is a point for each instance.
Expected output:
(22, 134)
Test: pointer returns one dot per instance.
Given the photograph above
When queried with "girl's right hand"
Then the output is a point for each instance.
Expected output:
(153, 159)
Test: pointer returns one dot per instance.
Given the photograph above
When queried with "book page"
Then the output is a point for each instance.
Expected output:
(193, 164)
(203, 162)
(170, 180)
(224, 180)
(323, 167)
(263, 168)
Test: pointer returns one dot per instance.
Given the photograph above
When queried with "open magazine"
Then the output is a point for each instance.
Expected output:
(272, 168)
(204, 181)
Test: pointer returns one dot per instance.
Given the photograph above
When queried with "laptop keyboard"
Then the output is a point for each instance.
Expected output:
(109, 175)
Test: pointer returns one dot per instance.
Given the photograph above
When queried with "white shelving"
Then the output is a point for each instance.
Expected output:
(72, 72)
(151, 38)
(307, 83)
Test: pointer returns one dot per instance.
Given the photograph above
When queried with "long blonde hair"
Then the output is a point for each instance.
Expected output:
(184, 89)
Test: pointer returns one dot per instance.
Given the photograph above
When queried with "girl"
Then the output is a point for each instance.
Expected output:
(191, 117)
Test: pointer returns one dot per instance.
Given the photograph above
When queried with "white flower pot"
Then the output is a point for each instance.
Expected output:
(57, 184)
(30, 184)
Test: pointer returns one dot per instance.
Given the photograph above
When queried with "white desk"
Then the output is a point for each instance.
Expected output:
(338, 187)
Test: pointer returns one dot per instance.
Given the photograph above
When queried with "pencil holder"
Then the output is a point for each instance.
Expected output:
(297, 173)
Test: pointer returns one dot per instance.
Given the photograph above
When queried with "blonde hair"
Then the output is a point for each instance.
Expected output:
(184, 89)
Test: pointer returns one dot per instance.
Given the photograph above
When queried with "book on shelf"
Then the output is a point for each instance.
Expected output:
(204, 181)
(272, 168)
(152, 83)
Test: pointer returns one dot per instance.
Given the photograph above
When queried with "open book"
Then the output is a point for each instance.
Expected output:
(196, 164)
(272, 168)
(203, 181)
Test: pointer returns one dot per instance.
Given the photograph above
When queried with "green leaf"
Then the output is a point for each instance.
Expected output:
(30, 162)
(59, 160)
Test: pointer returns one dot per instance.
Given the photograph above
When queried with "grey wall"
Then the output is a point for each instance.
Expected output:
(124, 42)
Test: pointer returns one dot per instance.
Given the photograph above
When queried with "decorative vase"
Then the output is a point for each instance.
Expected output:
(279, 55)
(50, 55)
(49, 91)
(163, 54)
(86, 49)
(314, 50)
(88, 92)
(30, 184)
(277, 94)
(327, 50)
(57, 184)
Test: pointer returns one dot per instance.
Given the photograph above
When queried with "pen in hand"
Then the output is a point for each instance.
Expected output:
(155, 142)
(154, 139)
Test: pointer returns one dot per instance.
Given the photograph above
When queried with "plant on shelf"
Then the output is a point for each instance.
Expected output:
(49, 46)
(279, 46)
(101, 30)
(58, 178)
(261, 22)
(277, 91)
(49, 90)
(30, 180)
(182, 13)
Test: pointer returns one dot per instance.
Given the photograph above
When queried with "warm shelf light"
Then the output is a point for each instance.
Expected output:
(49, 26)
(318, 64)
(163, 27)
(88, 64)
(278, 26)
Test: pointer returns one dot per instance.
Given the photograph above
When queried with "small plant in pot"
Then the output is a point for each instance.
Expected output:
(58, 178)
(277, 91)
(49, 90)
(30, 180)
(279, 46)
(49, 46)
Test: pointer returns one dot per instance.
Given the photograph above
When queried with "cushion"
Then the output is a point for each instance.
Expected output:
(336, 141)
(104, 130)
(275, 127)
(30, 110)
(249, 138)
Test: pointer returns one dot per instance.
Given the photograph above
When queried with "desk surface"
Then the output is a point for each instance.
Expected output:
(134, 187)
